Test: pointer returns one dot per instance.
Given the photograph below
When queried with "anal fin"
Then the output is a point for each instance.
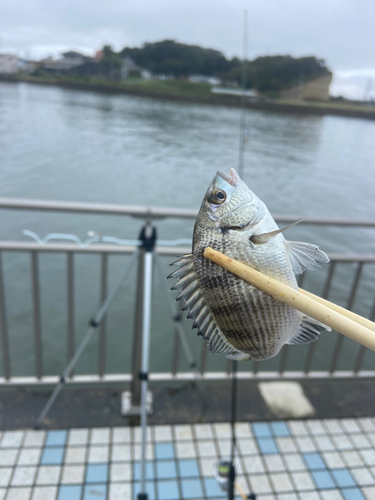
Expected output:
(308, 331)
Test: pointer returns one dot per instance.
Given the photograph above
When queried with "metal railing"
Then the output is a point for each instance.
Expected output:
(175, 373)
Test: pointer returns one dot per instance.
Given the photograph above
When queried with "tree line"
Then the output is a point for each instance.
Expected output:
(265, 73)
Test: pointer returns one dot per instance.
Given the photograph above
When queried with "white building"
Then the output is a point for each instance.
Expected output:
(8, 64)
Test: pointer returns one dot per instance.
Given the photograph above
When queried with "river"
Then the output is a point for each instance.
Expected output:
(60, 144)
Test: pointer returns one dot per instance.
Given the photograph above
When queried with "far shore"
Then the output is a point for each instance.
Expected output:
(199, 94)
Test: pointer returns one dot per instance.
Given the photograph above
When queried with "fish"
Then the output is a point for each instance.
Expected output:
(234, 317)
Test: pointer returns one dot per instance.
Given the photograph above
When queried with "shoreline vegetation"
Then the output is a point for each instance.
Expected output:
(198, 93)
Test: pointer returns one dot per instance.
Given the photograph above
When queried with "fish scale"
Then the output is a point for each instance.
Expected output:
(235, 317)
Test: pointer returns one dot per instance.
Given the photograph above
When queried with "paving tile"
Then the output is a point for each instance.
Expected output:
(247, 446)
(137, 451)
(56, 438)
(48, 475)
(261, 430)
(281, 482)
(342, 442)
(310, 495)
(34, 439)
(12, 439)
(5, 474)
(3, 492)
(121, 435)
(137, 434)
(52, 456)
(362, 477)
(360, 441)
(70, 492)
(119, 491)
(343, 478)
(191, 488)
(8, 457)
(163, 433)
(164, 450)
(368, 456)
(137, 471)
(121, 453)
(19, 494)
(323, 480)
(369, 493)
(366, 424)
(294, 462)
(280, 429)
(305, 444)
(78, 437)
(352, 494)
(333, 426)
(298, 428)
(253, 464)
(168, 490)
(100, 436)
(206, 448)
(120, 472)
(350, 425)
(207, 466)
(150, 489)
(314, 461)
(203, 431)
(287, 496)
(224, 446)
(213, 490)
(44, 493)
(185, 450)
(188, 468)
(333, 460)
(73, 474)
(331, 495)
(260, 484)
(23, 476)
(267, 445)
(183, 433)
(223, 430)
(98, 473)
(324, 443)
(98, 454)
(315, 427)
(243, 430)
(352, 458)
(29, 456)
(75, 454)
(95, 492)
(302, 481)
(286, 445)
(274, 463)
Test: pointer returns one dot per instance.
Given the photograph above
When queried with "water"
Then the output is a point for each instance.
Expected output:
(61, 144)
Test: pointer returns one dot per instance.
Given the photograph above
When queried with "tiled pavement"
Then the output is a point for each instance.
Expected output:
(306, 460)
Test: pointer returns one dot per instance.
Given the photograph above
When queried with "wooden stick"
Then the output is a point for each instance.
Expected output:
(349, 314)
(302, 302)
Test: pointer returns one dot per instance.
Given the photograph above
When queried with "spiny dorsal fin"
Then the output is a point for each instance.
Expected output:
(195, 303)
(308, 331)
(304, 256)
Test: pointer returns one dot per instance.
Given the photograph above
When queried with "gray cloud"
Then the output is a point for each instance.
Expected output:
(340, 31)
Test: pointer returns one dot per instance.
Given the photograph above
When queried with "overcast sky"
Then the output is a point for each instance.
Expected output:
(340, 31)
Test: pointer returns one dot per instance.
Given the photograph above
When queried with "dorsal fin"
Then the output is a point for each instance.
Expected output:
(308, 331)
(304, 256)
(196, 304)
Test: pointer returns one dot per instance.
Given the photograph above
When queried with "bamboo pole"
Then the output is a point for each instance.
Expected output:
(303, 302)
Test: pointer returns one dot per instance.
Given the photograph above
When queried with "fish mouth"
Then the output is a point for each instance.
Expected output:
(230, 178)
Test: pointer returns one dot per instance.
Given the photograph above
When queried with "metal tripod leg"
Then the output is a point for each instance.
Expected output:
(94, 323)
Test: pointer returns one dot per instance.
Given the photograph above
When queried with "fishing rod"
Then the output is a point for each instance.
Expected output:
(243, 93)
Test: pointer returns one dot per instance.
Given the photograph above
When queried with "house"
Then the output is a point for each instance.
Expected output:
(212, 80)
(69, 60)
(130, 68)
(8, 64)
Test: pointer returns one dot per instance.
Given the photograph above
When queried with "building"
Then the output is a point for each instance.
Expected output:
(8, 64)
(130, 68)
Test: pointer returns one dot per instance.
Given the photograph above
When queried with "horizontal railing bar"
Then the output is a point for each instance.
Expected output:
(28, 246)
(152, 212)
(184, 376)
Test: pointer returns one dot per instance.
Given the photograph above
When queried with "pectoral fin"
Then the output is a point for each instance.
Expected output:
(263, 238)
(304, 256)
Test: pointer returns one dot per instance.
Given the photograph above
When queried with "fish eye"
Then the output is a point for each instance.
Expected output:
(217, 197)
